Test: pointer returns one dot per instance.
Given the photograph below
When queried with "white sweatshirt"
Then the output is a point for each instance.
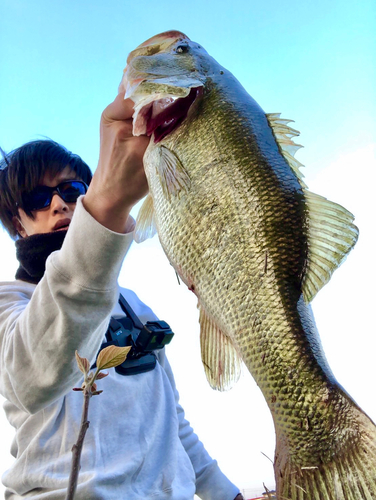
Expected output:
(138, 445)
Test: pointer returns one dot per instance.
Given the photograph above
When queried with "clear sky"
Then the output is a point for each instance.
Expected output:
(60, 65)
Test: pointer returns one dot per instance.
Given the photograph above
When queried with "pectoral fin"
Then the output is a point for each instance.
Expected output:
(331, 236)
(173, 176)
(145, 222)
(221, 361)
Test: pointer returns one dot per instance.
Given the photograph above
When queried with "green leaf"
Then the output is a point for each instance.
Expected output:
(112, 356)
(83, 363)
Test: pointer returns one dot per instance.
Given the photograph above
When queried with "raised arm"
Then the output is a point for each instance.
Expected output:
(119, 181)
(69, 309)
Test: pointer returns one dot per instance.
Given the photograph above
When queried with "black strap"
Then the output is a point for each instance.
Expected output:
(123, 332)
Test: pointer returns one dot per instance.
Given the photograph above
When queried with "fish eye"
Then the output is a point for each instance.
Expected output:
(181, 49)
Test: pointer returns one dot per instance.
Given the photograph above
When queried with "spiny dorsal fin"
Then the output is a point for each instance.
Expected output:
(331, 236)
(283, 134)
(145, 222)
(221, 361)
(173, 176)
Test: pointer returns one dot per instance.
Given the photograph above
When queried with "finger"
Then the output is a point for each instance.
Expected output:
(119, 109)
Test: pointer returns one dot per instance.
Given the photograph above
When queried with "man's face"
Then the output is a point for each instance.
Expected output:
(55, 217)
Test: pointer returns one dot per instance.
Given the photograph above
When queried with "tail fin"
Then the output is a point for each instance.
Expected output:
(348, 475)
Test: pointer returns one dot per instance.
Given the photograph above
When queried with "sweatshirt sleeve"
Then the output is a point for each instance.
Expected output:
(69, 309)
(211, 483)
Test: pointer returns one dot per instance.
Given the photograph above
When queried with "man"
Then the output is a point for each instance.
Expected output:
(139, 444)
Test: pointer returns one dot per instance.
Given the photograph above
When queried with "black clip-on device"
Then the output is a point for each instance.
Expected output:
(143, 339)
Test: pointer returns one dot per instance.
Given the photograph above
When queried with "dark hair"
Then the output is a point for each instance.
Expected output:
(22, 170)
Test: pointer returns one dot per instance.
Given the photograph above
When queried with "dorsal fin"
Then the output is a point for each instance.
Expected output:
(331, 232)
(331, 236)
(283, 134)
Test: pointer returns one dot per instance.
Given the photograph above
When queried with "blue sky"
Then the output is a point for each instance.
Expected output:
(60, 65)
(313, 61)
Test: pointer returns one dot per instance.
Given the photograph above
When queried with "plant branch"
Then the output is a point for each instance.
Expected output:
(108, 357)
(77, 447)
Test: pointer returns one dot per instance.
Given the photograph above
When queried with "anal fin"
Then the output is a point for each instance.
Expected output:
(221, 361)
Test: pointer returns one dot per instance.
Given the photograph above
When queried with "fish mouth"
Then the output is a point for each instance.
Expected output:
(163, 116)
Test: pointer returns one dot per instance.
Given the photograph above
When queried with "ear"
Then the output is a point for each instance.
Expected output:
(17, 224)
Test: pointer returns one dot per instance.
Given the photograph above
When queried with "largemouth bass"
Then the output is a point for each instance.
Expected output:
(244, 233)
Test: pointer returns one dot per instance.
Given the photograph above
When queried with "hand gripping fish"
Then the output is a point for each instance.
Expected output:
(241, 229)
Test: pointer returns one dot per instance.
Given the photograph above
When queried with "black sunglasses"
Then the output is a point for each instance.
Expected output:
(41, 196)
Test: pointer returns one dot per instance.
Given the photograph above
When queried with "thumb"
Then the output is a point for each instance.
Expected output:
(119, 109)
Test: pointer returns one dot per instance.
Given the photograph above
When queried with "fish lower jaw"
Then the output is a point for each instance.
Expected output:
(148, 109)
(162, 116)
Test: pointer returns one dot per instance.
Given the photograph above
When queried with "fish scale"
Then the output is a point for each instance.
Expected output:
(202, 273)
(242, 231)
